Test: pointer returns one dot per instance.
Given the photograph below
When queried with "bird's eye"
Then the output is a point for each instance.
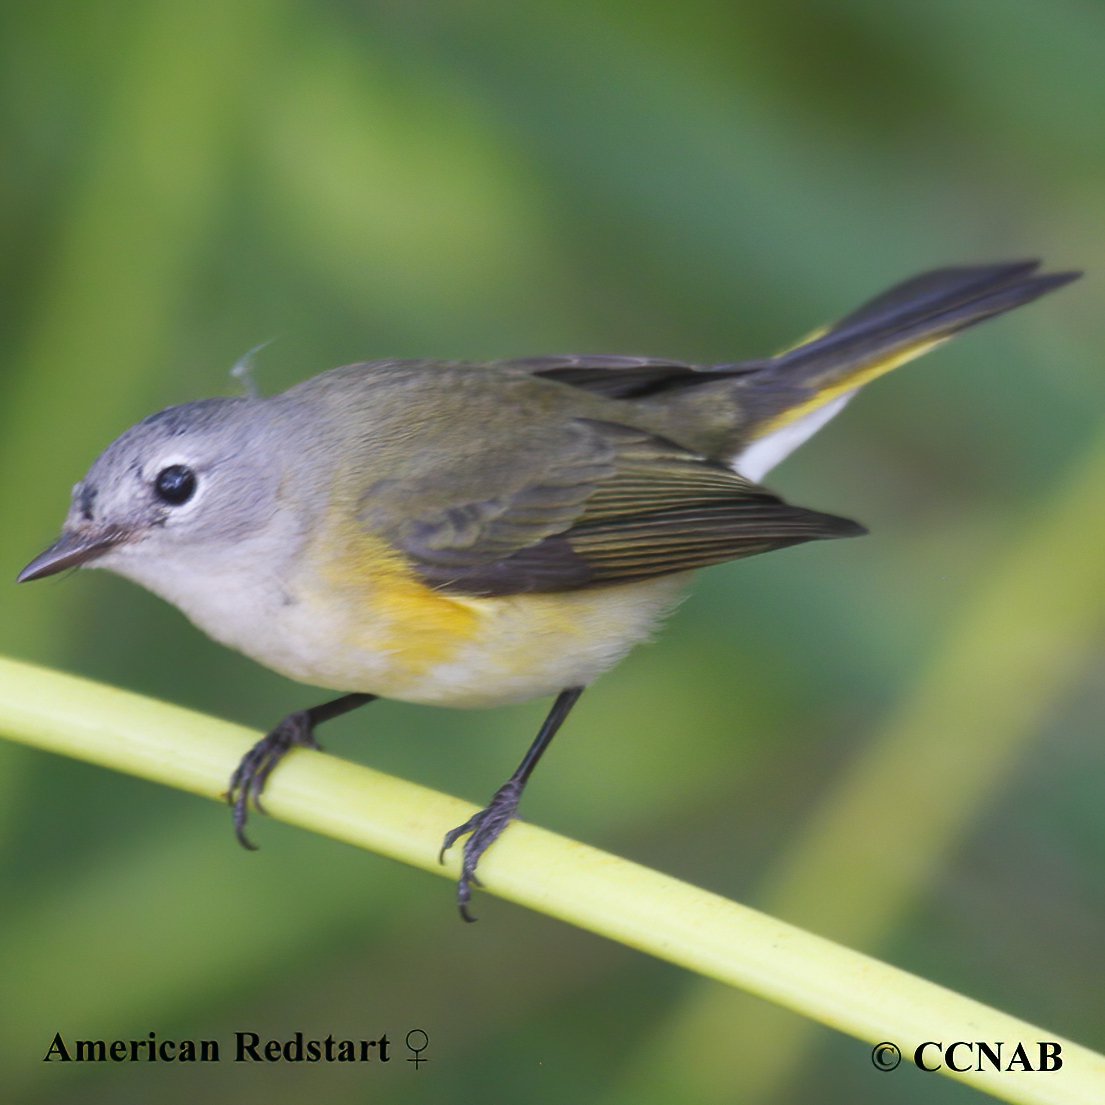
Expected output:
(175, 485)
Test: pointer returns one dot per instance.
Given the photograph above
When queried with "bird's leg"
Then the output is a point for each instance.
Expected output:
(296, 730)
(486, 825)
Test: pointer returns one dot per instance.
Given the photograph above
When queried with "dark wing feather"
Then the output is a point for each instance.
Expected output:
(626, 377)
(618, 504)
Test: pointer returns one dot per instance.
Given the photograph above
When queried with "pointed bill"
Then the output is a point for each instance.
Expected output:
(71, 550)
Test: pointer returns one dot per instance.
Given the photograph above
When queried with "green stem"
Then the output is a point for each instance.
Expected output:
(631, 904)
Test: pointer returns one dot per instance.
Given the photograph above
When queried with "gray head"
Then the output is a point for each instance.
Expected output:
(181, 481)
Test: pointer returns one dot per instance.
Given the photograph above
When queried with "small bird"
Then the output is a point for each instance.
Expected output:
(464, 534)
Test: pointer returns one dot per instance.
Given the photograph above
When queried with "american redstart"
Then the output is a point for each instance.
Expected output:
(477, 534)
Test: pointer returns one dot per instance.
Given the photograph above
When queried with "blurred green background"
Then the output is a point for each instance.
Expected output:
(894, 742)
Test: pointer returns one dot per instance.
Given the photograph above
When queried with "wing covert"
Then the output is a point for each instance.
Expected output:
(612, 505)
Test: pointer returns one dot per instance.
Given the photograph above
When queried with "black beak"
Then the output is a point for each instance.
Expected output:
(71, 550)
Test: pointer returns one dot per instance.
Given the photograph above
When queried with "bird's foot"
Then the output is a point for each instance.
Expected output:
(250, 776)
(485, 828)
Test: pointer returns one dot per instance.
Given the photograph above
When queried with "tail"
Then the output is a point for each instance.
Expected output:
(794, 394)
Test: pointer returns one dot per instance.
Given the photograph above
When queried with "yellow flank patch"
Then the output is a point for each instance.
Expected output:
(360, 619)
(388, 610)
(865, 372)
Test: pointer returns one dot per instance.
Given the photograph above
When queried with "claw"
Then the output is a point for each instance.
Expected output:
(485, 828)
(249, 778)
(296, 730)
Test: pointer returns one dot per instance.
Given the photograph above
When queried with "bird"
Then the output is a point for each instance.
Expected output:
(472, 534)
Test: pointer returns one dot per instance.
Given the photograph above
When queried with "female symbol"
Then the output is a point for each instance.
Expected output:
(416, 1042)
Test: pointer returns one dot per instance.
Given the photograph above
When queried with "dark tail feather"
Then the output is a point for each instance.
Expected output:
(911, 315)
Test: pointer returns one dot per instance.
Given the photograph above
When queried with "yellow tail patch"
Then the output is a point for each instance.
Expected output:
(863, 374)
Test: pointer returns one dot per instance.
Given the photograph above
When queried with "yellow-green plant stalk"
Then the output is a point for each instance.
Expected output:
(636, 906)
